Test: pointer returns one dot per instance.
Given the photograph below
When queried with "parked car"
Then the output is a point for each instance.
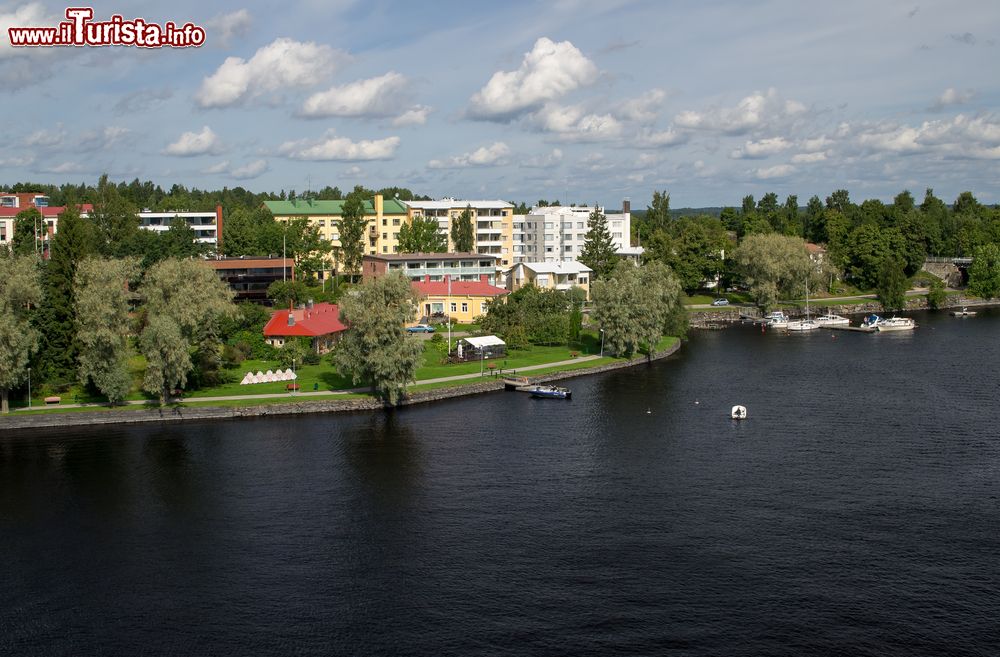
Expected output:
(720, 302)
(420, 328)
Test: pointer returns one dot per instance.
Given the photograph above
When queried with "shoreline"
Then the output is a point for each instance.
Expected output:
(180, 413)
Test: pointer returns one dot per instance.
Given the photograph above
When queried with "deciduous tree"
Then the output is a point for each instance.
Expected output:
(352, 230)
(984, 273)
(773, 265)
(892, 284)
(634, 305)
(422, 235)
(103, 324)
(461, 232)
(376, 350)
(20, 289)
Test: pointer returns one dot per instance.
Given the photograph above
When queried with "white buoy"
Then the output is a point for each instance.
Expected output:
(739, 413)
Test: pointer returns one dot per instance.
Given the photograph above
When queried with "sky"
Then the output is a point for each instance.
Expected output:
(582, 101)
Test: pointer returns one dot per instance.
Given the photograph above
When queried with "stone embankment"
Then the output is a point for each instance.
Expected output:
(188, 413)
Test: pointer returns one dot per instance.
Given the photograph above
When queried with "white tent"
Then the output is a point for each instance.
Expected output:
(485, 341)
(271, 377)
(290, 375)
(247, 380)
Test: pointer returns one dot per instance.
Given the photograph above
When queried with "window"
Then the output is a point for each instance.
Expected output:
(548, 249)
(568, 249)
(385, 249)
(454, 307)
(385, 236)
(385, 222)
(465, 307)
(482, 308)
(335, 237)
(582, 280)
(395, 236)
(8, 201)
(618, 235)
(548, 225)
(579, 225)
(322, 223)
(567, 224)
(549, 237)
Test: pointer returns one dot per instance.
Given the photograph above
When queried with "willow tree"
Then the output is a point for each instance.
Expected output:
(20, 289)
(103, 325)
(635, 305)
(773, 266)
(376, 351)
(184, 301)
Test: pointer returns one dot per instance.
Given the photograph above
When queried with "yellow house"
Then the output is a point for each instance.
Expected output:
(384, 219)
(550, 276)
(462, 301)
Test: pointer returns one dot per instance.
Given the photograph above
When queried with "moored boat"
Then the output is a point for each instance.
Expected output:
(832, 320)
(802, 325)
(872, 321)
(896, 324)
(550, 392)
(964, 312)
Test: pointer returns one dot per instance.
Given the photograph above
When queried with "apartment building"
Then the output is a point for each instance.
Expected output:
(207, 226)
(557, 233)
(492, 223)
(12, 204)
(384, 220)
(433, 267)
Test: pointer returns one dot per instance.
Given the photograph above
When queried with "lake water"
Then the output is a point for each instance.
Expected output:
(856, 512)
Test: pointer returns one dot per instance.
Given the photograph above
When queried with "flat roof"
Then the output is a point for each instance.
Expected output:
(404, 257)
(458, 204)
(257, 262)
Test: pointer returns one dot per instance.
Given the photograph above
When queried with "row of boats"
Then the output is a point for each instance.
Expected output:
(780, 320)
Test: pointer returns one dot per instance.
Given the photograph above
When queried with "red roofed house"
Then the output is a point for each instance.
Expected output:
(320, 321)
(12, 204)
(460, 300)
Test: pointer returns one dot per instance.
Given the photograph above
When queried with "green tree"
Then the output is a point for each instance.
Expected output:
(694, 251)
(103, 324)
(599, 251)
(184, 302)
(936, 295)
(421, 235)
(20, 289)
(55, 318)
(867, 247)
(376, 351)
(773, 266)
(892, 284)
(27, 226)
(634, 305)
(461, 232)
(284, 292)
(658, 213)
(353, 225)
(984, 273)
(115, 221)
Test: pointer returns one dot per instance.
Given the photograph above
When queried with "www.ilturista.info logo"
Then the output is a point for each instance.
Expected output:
(80, 30)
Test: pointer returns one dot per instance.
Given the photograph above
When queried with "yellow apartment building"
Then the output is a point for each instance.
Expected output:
(492, 223)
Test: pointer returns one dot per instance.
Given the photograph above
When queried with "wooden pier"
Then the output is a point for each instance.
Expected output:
(860, 329)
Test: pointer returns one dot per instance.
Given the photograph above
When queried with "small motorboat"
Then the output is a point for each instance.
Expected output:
(964, 312)
(550, 392)
(739, 413)
(832, 320)
(896, 324)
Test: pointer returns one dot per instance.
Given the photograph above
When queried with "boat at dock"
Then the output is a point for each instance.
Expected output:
(832, 320)
(964, 312)
(550, 392)
(896, 324)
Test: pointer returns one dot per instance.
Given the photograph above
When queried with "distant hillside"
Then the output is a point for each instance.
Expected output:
(683, 212)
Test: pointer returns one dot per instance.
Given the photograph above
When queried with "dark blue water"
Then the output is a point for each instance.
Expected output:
(857, 512)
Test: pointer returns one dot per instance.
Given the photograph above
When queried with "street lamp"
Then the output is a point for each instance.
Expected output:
(29, 388)
(602, 343)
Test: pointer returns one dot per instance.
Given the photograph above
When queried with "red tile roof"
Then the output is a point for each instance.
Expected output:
(323, 319)
(458, 288)
(47, 212)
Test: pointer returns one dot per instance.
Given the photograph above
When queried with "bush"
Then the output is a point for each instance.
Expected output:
(936, 295)
(232, 356)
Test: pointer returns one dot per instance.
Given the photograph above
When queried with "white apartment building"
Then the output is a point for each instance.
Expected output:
(491, 223)
(205, 224)
(557, 233)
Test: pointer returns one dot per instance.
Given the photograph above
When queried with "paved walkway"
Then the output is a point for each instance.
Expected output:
(324, 393)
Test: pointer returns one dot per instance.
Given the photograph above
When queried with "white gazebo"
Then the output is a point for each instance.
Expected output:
(484, 346)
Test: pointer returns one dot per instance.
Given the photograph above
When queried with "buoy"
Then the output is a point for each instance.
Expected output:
(649, 412)
(697, 402)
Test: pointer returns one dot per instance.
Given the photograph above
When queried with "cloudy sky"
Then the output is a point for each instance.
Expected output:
(577, 100)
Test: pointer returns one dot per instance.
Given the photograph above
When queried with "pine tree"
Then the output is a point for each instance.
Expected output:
(599, 251)
(55, 320)
(461, 231)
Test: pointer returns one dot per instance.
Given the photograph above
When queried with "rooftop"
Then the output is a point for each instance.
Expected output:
(458, 288)
(406, 257)
(256, 262)
(305, 208)
(457, 204)
(572, 267)
(322, 319)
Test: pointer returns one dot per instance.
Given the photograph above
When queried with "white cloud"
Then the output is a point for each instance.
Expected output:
(961, 137)
(755, 112)
(65, 167)
(661, 138)
(373, 97)
(224, 27)
(643, 109)
(330, 147)
(761, 148)
(46, 138)
(549, 71)
(353, 171)
(96, 140)
(808, 158)
(574, 124)
(195, 143)
(32, 14)
(543, 161)
(221, 167)
(484, 156)
(414, 116)
(777, 171)
(248, 171)
(18, 161)
(141, 101)
(952, 97)
(283, 64)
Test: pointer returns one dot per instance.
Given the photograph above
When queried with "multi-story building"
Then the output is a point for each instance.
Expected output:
(206, 225)
(384, 220)
(433, 266)
(22, 200)
(250, 277)
(12, 204)
(557, 233)
(492, 223)
(550, 276)
(462, 301)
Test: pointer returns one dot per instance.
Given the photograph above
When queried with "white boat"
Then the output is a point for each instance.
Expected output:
(964, 312)
(802, 325)
(872, 321)
(896, 324)
(776, 319)
(832, 320)
(738, 413)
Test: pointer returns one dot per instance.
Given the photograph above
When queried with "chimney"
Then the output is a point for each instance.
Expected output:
(291, 318)
(218, 230)
(378, 207)
(626, 206)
